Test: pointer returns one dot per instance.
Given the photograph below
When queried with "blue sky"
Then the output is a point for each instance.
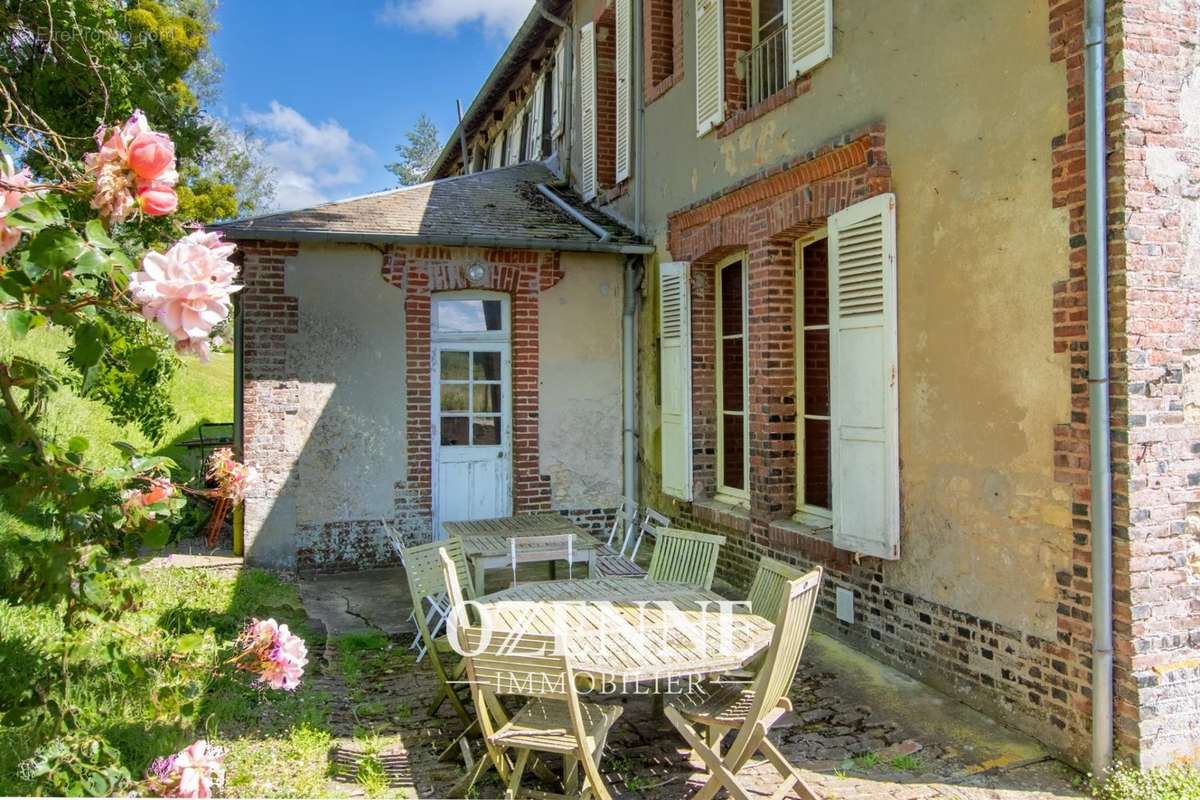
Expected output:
(332, 87)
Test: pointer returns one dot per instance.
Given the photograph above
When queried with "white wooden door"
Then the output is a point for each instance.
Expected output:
(472, 428)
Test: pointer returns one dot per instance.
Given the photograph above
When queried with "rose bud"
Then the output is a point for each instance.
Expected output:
(150, 155)
(157, 199)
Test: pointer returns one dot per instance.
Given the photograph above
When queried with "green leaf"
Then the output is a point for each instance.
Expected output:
(142, 359)
(98, 236)
(126, 448)
(156, 536)
(53, 249)
(92, 262)
(189, 643)
(89, 347)
(78, 444)
(19, 322)
(35, 215)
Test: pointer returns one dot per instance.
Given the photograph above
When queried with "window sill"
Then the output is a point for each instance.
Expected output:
(785, 95)
(613, 193)
(657, 90)
(813, 542)
(726, 515)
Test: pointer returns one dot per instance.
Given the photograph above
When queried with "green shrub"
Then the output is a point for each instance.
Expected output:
(1179, 782)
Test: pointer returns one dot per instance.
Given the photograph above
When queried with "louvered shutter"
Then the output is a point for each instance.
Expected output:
(710, 66)
(536, 109)
(863, 393)
(624, 84)
(675, 378)
(810, 33)
(514, 141)
(494, 154)
(587, 110)
(556, 90)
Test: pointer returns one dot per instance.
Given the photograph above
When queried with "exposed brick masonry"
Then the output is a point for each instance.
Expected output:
(662, 22)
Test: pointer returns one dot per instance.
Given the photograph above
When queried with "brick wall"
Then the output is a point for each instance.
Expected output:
(606, 97)
(272, 394)
(662, 23)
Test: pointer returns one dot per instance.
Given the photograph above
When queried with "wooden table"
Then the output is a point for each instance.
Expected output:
(485, 541)
(630, 630)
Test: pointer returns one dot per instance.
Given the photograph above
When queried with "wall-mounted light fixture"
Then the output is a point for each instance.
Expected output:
(477, 274)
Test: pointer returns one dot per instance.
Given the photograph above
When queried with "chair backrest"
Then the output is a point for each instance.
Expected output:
(394, 539)
(424, 569)
(792, 625)
(557, 547)
(651, 521)
(767, 590)
(454, 593)
(686, 557)
(624, 522)
(516, 664)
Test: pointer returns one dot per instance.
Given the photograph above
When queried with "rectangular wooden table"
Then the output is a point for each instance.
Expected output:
(485, 541)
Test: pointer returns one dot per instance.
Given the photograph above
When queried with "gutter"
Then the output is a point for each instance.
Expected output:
(1099, 414)
(514, 243)
(573, 212)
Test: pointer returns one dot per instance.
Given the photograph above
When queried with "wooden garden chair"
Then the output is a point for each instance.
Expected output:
(686, 557)
(769, 586)
(720, 708)
(436, 613)
(426, 583)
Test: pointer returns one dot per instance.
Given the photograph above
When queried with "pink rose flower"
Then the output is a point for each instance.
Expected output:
(11, 195)
(273, 652)
(151, 154)
(9, 237)
(187, 289)
(191, 772)
(157, 198)
(133, 168)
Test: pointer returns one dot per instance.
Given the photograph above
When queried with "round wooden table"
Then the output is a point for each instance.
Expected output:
(631, 630)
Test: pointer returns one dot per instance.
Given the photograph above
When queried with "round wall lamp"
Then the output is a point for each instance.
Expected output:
(477, 274)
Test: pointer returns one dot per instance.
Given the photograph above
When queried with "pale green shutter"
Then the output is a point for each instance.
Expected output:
(675, 372)
(624, 16)
(587, 111)
(556, 92)
(710, 66)
(863, 392)
(536, 110)
(810, 33)
(494, 154)
(514, 140)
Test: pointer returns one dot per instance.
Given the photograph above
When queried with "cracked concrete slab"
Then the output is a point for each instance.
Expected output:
(349, 602)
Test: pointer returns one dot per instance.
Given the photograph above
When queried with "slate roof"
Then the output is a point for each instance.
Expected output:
(495, 208)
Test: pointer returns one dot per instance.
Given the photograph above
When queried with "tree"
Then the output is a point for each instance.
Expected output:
(417, 157)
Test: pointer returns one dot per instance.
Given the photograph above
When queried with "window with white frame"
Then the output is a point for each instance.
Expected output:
(733, 463)
(814, 464)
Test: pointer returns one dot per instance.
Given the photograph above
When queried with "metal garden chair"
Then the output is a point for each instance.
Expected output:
(751, 712)
(623, 563)
(423, 566)
(686, 557)
(527, 549)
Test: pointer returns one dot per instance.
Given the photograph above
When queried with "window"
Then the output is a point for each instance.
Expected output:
(766, 64)
(523, 148)
(662, 21)
(733, 464)
(814, 464)
(496, 154)
(468, 316)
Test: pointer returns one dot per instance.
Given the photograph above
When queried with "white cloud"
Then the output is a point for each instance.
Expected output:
(313, 162)
(499, 17)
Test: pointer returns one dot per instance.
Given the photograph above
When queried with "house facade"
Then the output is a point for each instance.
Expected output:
(836, 310)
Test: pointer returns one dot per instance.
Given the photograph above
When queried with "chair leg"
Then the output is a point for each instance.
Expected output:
(722, 776)
(514, 780)
(777, 759)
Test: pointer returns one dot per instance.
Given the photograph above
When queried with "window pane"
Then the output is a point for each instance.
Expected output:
(731, 299)
(487, 366)
(486, 430)
(487, 398)
(469, 316)
(454, 365)
(818, 487)
(732, 363)
(455, 431)
(454, 397)
(734, 453)
(816, 283)
(816, 373)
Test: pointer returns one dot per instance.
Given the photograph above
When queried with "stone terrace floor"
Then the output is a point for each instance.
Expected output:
(859, 730)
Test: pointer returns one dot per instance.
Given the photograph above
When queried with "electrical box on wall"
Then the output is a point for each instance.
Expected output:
(845, 605)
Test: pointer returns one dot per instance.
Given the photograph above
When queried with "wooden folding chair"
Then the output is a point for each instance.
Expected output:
(426, 584)
(721, 708)
(685, 557)
(768, 588)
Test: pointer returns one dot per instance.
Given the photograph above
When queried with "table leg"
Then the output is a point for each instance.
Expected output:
(592, 563)
(480, 576)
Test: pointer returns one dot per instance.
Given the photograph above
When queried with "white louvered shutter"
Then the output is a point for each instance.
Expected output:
(587, 110)
(863, 393)
(810, 33)
(556, 91)
(494, 154)
(624, 15)
(675, 373)
(536, 110)
(514, 141)
(710, 66)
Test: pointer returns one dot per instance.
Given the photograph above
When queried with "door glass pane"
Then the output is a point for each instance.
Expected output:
(454, 397)
(486, 430)
(732, 388)
(731, 299)
(454, 365)
(816, 373)
(818, 488)
(469, 316)
(455, 431)
(734, 474)
(487, 366)
(487, 398)
(815, 273)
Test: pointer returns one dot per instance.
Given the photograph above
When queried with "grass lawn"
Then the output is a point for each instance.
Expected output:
(202, 393)
(277, 742)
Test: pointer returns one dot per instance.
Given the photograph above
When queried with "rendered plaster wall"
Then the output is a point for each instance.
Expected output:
(969, 125)
(580, 397)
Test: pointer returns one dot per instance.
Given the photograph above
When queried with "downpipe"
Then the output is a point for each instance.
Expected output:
(1099, 414)
(632, 282)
